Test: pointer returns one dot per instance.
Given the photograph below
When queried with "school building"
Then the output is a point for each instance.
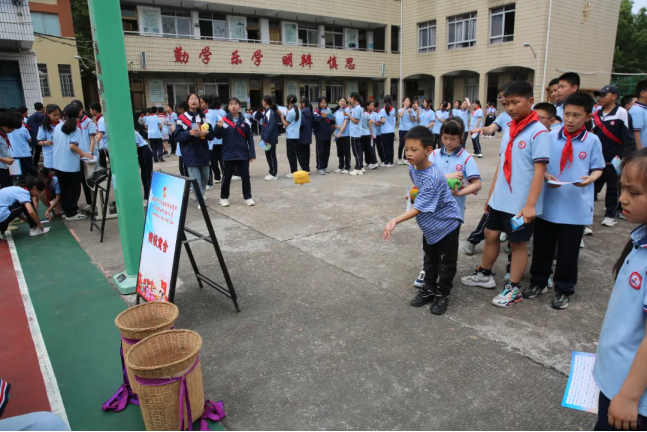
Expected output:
(446, 50)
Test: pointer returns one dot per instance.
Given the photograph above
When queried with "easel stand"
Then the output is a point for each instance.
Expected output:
(102, 197)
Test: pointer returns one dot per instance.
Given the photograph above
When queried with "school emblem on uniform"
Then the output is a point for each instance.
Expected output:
(635, 280)
(522, 144)
(459, 167)
(582, 155)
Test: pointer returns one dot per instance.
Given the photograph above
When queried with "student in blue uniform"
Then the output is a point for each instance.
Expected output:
(387, 118)
(237, 150)
(366, 139)
(428, 119)
(342, 136)
(34, 122)
(408, 119)
(194, 143)
(441, 115)
(621, 357)
(67, 162)
(145, 159)
(638, 113)
(100, 139)
(9, 121)
(305, 134)
(215, 145)
(476, 121)
(15, 202)
(354, 117)
(292, 124)
(161, 115)
(172, 119)
(20, 146)
(84, 126)
(270, 135)
(374, 120)
(51, 196)
(46, 134)
(324, 123)
(154, 127)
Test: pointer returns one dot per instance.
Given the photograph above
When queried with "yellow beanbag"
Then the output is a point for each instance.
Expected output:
(301, 177)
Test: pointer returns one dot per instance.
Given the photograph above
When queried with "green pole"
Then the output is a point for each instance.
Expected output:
(112, 73)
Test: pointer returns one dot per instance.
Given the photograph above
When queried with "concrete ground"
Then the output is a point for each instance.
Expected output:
(326, 338)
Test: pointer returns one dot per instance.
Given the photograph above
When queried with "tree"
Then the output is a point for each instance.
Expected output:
(631, 40)
(83, 33)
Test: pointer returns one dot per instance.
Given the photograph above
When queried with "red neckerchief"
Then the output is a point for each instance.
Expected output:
(515, 129)
(99, 117)
(78, 123)
(205, 111)
(475, 110)
(25, 125)
(567, 151)
(234, 125)
(600, 125)
(4, 135)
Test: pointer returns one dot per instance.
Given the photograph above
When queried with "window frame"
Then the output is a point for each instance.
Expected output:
(428, 26)
(308, 27)
(45, 89)
(40, 16)
(176, 27)
(502, 11)
(461, 22)
(335, 32)
(65, 92)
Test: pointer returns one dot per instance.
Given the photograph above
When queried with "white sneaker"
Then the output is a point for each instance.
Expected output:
(503, 237)
(470, 248)
(326, 171)
(235, 178)
(224, 202)
(250, 202)
(588, 231)
(550, 283)
(321, 172)
(87, 208)
(363, 170)
(37, 231)
(338, 170)
(199, 208)
(145, 203)
(582, 244)
(607, 221)
(420, 282)
(209, 187)
(344, 172)
(290, 175)
(217, 181)
(355, 172)
(389, 165)
(479, 155)
(400, 162)
(382, 164)
(478, 279)
(270, 177)
(360, 172)
(373, 166)
(78, 216)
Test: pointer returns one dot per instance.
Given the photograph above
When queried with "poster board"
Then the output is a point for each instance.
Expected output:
(156, 91)
(163, 227)
(240, 90)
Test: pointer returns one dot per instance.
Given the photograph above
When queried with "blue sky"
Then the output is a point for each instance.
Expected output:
(639, 4)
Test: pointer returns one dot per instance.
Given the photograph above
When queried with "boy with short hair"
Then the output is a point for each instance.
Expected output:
(553, 86)
(438, 216)
(517, 191)
(569, 83)
(638, 113)
(547, 115)
(575, 155)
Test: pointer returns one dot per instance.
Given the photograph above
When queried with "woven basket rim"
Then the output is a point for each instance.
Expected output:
(193, 353)
(172, 318)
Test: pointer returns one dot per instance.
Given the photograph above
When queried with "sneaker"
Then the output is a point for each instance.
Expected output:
(216, 181)
(87, 208)
(17, 221)
(550, 283)
(326, 170)
(582, 244)
(224, 202)
(607, 221)
(373, 166)
(355, 172)
(162, 159)
(338, 171)
(478, 279)
(199, 208)
(389, 165)
(235, 178)
(321, 172)
(509, 296)
(422, 298)
(344, 172)
(270, 177)
(209, 187)
(145, 203)
(290, 175)
(532, 292)
(78, 216)
(420, 282)
(363, 170)
(156, 160)
(621, 216)
(37, 231)
(360, 172)
(382, 164)
(559, 302)
(441, 302)
(400, 162)
(470, 248)
(479, 155)
(506, 249)
(250, 202)
(503, 237)
(588, 231)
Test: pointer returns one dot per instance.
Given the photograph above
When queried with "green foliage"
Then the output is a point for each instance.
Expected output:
(83, 33)
(631, 40)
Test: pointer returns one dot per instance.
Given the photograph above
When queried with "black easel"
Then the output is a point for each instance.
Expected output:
(106, 203)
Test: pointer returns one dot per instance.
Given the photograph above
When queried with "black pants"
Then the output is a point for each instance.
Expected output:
(5, 178)
(440, 263)
(603, 416)
(26, 166)
(343, 153)
(157, 145)
(172, 142)
(566, 238)
(70, 183)
(303, 154)
(145, 159)
(387, 145)
(293, 152)
(476, 142)
(181, 166)
(380, 150)
(401, 143)
(272, 164)
(356, 145)
(242, 168)
(215, 164)
(103, 158)
(37, 151)
(439, 141)
(478, 235)
(87, 192)
(323, 154)
(369, 150)
(610, 178)
(15, 210)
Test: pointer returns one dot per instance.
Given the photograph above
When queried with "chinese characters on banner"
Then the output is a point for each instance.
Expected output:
(332, 62)
(235, 58)
(181, 56)
(287, 60)
(349, 63)
(205, 55)
(306, 60)
(256, 57)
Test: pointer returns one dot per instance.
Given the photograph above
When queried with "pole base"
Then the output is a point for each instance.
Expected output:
(125, 283)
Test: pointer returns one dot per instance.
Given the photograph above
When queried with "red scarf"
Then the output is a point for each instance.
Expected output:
(567, 152)
(515, 129)
(25, 125)
(78, 123)
(4, 135)
(99, 117)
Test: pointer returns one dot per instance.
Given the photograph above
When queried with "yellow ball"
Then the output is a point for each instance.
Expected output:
(301, 177)
(413, 193)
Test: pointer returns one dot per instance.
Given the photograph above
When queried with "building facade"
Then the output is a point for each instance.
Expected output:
(56, 52)
(447, 50)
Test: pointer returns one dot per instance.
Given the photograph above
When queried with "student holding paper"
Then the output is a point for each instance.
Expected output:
(9, 121)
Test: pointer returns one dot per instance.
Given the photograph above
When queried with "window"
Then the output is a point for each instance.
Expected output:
(176, 23)
(502, 24)
(289, 32)
(308, 34)
(352, 38)
(213, 26)
(461, 31)
(65, 74)
(395, 39)
(129, 18)
(275, 31)
(44, 80)
(219, 87)
(45, 23)
(472, 88)
(427, 37)
(334, 91)
(334, 37)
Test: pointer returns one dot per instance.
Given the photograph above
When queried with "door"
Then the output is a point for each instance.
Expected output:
(254, 99)
(11, 95)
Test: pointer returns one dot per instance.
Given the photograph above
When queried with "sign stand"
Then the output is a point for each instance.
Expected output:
(147, 275)
(102, 197)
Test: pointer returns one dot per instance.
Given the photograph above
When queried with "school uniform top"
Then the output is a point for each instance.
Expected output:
(623, 328)
(152, 123)
(212, 118)
(490, 112)
(63, 157)
(164, 120)
(476, 119)
(323, 127)
(426, 117)
(377, 129)
(101, 127)
(195, 150)
(356, 128)
(389, 121)
(139, 140)
(569, 204)
(10, 196)
(84, 127)
(530, 146)
(405, 121)
(363, 123)
(502, 121)
(4, 148)
(638, 114)
(54, 186)
(442, 115)
(340, 118)
(19, 140)
(47, 135)
(294, 126)
(217, 114)
(305, 131)
(237, 138)
(269, 128)
(613, 131)
(464, 115)
(560, 110)
(459, 161)
(33, 123)
(440, 214)
(142, 119)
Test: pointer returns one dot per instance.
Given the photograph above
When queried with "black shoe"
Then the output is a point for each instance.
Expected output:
(155, 160)
(560, 302)
(165, 153)
(441, 302)
(422, 298)
(162, 159)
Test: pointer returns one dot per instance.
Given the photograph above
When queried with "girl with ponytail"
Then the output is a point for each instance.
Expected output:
(342, 136)
(356, 132)
(292, 124)
(270, 135)
(45, 135)
(387, 119)
(305, 134)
